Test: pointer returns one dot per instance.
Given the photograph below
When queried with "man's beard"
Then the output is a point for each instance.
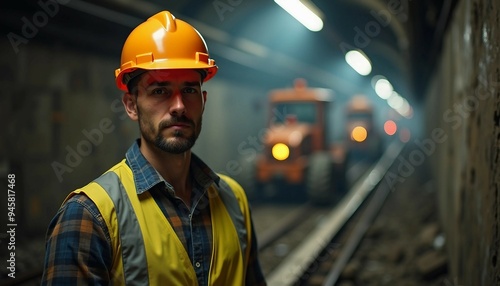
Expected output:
(177, 145)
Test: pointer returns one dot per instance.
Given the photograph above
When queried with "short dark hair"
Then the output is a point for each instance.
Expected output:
(133, 85)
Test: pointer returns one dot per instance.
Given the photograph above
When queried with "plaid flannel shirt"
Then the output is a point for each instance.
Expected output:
(78, 246)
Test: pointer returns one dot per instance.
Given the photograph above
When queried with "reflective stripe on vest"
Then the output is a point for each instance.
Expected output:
(132, 217)
(228, 198)
(132, 246)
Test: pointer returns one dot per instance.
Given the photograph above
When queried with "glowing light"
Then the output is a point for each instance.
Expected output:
(359, 62)
(404, 135)
(295, 138)
(383, 88)
(359, 134)
(280, 151)
(302, 13)
(390, 127)
(405, 110)
(395, 101)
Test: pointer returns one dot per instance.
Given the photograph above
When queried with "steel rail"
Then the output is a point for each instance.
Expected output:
(362, 226)
(298, 262)
(283, 226)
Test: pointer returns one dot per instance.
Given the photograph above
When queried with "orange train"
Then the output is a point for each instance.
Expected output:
(297, 148)
(364, 141)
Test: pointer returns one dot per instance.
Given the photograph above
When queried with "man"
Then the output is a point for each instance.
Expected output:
(161, 216)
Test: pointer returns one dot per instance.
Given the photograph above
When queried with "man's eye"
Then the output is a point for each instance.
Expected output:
(190, 90)
(158, 91)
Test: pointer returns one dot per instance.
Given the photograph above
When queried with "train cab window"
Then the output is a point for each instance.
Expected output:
(304, 112)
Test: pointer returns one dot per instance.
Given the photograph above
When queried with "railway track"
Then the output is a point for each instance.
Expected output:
(321, 256)
(281, 226)
(286, 232)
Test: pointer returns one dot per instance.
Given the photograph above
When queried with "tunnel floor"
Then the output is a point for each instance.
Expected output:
(405, 245)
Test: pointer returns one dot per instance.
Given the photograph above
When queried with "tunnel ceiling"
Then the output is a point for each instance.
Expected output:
(257, 40)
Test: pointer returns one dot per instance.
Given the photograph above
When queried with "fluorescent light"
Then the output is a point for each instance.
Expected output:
(405, 110)
(359, 62)
(395, 101)
(383, 88)
(302, 13)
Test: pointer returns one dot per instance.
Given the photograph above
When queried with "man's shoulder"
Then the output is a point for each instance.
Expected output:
(235, 188)
(232, 184)
(76, 205)
(119, 168)
(85, 193)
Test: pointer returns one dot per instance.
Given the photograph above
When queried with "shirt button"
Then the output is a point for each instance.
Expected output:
(197, 264)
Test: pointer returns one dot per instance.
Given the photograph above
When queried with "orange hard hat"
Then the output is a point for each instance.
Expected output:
(163, 42)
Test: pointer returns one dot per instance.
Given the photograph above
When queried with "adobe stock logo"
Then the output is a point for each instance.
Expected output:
(394, 11)
(84, 148)
(222, 7)
(456, 116)
(92, 139)
(31, 27)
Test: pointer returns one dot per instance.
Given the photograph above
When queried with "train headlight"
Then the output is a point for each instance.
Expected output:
(280, 151)
(359, 134)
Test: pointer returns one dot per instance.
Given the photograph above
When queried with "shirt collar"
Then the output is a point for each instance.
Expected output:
(146, 177)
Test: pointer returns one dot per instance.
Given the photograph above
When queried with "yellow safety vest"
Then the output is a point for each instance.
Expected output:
(146, 249)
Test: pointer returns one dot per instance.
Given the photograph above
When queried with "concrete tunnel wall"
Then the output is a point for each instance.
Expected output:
(463, 107)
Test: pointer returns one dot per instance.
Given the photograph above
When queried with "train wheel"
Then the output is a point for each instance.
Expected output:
(320, 179)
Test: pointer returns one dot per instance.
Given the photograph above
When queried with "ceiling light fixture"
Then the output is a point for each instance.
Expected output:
(383, 88)
(304, 13)
(359, 62)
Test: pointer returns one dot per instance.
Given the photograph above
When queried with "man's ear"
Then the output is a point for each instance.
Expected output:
(204, 99)
(130, 103)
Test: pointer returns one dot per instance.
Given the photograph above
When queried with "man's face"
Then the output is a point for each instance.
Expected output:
(170, 105)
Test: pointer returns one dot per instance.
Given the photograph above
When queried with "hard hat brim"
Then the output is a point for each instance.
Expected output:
(211, 70)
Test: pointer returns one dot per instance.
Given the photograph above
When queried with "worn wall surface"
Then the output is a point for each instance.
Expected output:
(64, 123)
(463, 102)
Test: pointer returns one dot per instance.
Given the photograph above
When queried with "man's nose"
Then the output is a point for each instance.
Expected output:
(177, 104)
